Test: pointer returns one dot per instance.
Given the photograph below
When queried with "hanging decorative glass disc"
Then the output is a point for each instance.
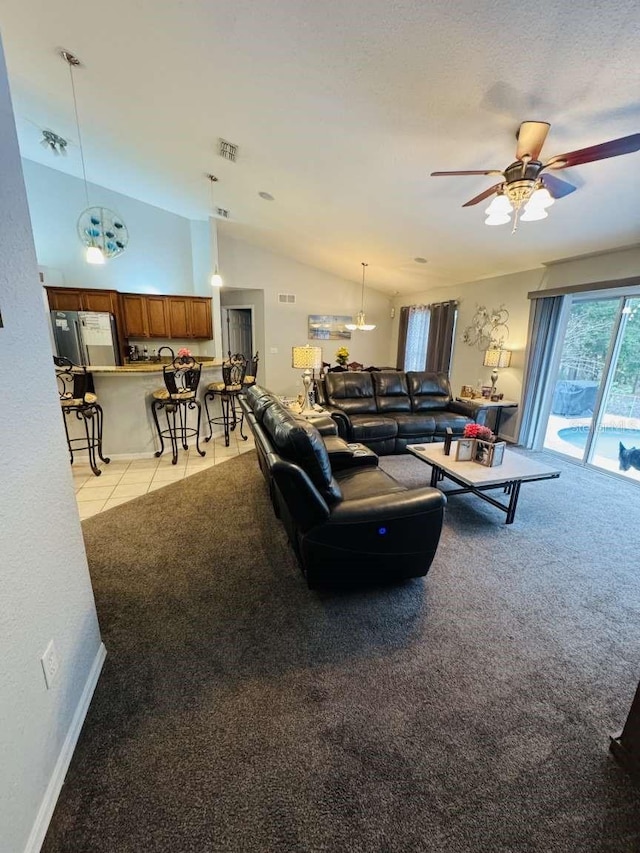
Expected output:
(101, 227)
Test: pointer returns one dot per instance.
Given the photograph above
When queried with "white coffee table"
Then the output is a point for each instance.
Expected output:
(477, 479)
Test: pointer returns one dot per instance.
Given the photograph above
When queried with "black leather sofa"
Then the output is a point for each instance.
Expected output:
(349, 522)
(389, 409)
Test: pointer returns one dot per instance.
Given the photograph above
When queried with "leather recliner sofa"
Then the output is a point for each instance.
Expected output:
(389, 409)
(348, 521)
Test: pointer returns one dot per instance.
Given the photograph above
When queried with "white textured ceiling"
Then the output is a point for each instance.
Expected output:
(341, 110)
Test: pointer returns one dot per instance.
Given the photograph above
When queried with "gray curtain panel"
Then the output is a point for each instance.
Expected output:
(402, 336)
(441, 326)
(544, 321)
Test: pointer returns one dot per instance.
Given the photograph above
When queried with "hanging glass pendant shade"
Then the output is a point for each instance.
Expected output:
(361, 324)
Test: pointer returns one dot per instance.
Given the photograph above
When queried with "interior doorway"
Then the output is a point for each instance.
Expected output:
(237, 330)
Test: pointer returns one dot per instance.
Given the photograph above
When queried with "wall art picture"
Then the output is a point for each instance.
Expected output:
(329, 327)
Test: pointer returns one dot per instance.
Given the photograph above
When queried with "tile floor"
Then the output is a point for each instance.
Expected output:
(123, 480)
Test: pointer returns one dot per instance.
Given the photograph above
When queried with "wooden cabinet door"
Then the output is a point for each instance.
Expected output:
(201, 325)
(65, 299)
(134, 309)
(179, 317)
(158, 317)
(99, 300)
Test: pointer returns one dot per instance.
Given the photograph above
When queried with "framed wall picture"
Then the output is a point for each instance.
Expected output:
(465, 449)
(329, 327)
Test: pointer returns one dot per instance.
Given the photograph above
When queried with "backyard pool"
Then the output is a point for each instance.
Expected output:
(607, 440)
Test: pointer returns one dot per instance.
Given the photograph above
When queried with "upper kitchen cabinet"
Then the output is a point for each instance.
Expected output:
(134, 312)
(76, 299)
(179, 325)
(158, 317)
(201, 323)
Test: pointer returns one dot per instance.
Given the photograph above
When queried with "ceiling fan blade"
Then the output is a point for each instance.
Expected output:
(556, 187)
(472, 172)
(531, 136)
(482, 196)
(613, 148)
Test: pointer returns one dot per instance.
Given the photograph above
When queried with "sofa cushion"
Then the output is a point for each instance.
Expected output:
(392, 394)
(416, 425)
(428, 390)
(351, 391)
(301, 443)
(366, 483)
(456, 422)
(368, 428)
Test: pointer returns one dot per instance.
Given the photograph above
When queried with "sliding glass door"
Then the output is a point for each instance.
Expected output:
(595, 409)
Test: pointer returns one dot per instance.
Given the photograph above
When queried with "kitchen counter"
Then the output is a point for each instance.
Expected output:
(128, 428)
(145, 367)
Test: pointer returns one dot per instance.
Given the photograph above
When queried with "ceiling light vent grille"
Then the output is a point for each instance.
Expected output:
(223, 213)
(287, 298)
(227, 150)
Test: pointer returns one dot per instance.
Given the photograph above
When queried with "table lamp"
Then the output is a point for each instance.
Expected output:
(306, 358)
(496, 357)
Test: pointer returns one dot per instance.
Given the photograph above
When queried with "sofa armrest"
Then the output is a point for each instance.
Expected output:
(341, 418)
(470, 411)
(386, 508)
(343, 455)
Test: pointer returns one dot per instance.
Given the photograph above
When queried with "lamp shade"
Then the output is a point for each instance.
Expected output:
(497, 357)
(306, 357)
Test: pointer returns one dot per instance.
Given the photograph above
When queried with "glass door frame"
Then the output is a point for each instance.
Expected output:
(623, 295)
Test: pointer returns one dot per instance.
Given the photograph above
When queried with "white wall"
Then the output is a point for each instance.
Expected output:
(245, 266)
(46, 592)
(158, 258)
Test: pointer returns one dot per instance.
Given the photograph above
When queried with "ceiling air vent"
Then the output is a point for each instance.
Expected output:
(227, 150)
(223, 212)
(287, 298)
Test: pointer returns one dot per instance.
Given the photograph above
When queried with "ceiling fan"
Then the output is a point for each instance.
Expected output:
(525, 186)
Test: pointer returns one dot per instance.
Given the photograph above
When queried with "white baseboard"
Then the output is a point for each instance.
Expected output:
(45, 812)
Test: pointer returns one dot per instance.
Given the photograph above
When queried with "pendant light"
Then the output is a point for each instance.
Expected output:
(94, 252)
(216, 278)
(361, 325)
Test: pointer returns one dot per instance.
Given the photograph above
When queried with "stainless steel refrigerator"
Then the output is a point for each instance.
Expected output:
(85, 337)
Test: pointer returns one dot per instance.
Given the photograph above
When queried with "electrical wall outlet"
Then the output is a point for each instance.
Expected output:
(50, 664)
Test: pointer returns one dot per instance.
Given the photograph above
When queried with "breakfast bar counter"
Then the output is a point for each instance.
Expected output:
(125, 394)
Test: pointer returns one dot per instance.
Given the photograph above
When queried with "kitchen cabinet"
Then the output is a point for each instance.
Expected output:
(201, 324)
(99, 300)
(64, 299)
(77, 299)
(157, 317)
(140, 315)
(134, 310)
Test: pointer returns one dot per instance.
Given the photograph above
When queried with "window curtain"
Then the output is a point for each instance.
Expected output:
(402, 336)
(545, 319)
(441, 328)
(417, 337)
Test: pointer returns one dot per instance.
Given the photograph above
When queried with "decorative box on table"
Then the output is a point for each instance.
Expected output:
(489, 453)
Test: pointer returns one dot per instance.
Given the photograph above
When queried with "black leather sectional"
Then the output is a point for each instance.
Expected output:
(348, 521)
(389, 409)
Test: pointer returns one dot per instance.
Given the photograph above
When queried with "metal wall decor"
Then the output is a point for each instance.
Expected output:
(488, 328)
(99, 226)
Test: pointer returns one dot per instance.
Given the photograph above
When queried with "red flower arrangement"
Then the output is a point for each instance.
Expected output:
(478, 431)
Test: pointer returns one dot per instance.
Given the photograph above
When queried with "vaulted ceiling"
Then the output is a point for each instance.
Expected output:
(340, 111)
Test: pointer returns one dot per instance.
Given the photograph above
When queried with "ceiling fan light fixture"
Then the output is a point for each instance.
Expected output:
(500, 206)
(541, 198)
(532, 214)
(497, 219)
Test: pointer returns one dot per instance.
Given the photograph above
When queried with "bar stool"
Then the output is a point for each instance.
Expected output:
(234, 371)
(251, 376)
(181, 379)
(77, 397)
